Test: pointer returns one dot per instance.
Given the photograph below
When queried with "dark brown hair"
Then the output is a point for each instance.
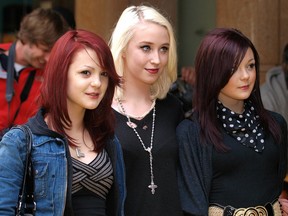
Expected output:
(221, 51)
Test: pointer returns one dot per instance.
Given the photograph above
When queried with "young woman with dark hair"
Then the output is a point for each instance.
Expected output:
(233, 151)
(74, 153)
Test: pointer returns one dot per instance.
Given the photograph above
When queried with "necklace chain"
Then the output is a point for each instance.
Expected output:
(138, 117)
(152, 186)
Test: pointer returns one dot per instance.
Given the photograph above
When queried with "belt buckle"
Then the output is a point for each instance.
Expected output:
(251, 211)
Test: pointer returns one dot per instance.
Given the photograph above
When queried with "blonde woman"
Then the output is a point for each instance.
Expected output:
(144, 51)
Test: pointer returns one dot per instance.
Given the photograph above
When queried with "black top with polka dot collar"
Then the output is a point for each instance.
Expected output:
(245, 127)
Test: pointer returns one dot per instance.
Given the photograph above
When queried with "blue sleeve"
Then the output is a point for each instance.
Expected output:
(12, 160)
(120, 169)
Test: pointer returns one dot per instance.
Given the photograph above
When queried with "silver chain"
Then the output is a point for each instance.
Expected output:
(152, 186)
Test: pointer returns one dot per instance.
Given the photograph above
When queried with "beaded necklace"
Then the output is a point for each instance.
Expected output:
(133, 126)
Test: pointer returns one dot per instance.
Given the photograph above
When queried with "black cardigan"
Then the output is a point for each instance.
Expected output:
(195, 172)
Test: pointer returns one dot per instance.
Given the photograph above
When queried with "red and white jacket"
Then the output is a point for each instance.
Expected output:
(17, 112)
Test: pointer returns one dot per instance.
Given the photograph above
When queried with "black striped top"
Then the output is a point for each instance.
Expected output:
(96, 177)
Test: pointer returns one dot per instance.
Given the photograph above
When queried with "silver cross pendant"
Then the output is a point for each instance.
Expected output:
(152, 186)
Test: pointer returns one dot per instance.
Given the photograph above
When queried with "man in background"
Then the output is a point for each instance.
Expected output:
(22, 64)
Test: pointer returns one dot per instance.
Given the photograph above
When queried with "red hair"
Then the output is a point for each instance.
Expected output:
(99, 122)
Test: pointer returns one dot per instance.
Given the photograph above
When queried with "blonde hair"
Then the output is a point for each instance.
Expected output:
(122, 34)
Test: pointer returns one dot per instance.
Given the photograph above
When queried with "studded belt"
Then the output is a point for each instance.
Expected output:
(270, 209)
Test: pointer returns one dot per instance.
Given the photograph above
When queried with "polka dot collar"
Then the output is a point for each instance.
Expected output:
(245, 127)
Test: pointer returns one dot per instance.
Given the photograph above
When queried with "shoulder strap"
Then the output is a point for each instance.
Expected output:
(28, 85)
(25, 92)
(10, 80)
(10, 73)
(26, 194)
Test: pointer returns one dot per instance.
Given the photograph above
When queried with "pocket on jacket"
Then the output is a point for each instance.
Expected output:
(41, 178)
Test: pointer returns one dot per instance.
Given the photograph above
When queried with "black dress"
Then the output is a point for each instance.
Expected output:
(140, 201)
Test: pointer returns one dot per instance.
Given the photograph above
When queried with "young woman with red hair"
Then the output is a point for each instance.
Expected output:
(74, 153)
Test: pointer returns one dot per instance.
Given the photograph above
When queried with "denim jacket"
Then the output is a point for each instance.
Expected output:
(52, 169)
